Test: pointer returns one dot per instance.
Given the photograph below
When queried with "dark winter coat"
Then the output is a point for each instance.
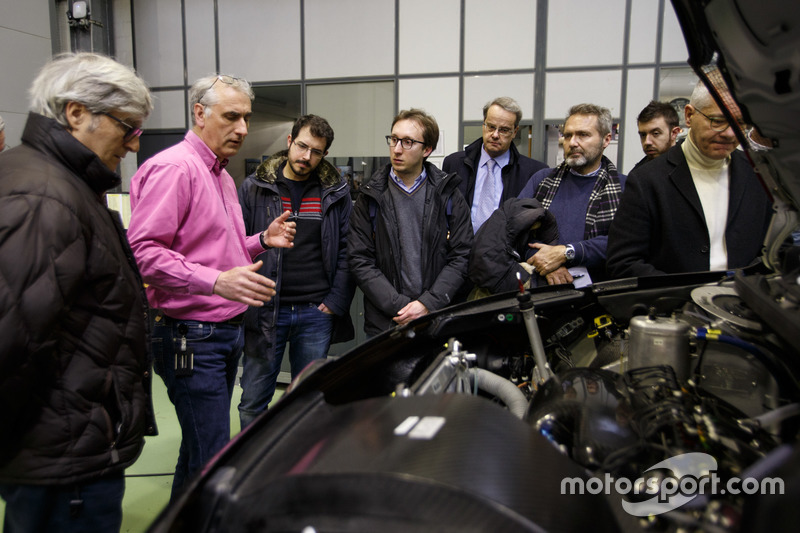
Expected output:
(261, 204)
(502, 242)
(74, 371)
(374, 247)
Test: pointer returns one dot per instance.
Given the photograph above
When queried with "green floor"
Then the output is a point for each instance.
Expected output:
(149, 480)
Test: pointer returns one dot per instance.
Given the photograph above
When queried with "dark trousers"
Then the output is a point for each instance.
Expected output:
(94, 506)
(307, 330)
(202, 398)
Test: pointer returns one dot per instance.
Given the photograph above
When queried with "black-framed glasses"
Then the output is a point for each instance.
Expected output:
(503, 131)
(720, 124)
(306, 148)
(227, 80)
(407, 144)
(130, 131)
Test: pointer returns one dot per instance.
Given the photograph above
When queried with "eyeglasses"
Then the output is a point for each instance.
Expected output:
(306, 148)
(504, 132)
(130, 131)
(228, 80)
(720, 124)
(407, 144)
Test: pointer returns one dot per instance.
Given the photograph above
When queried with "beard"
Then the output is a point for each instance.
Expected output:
(580, 161)
(576, 161)
(300, 168)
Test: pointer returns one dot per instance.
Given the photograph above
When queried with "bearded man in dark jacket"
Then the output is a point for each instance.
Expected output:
(74, 380)
(313, 288)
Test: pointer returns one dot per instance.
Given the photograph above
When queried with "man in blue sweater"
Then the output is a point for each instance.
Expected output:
(583, 193)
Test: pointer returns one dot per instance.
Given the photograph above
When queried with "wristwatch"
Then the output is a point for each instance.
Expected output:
(569, 253)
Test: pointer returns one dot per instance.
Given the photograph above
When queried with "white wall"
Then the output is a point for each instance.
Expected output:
(336, 50)
(26, 45)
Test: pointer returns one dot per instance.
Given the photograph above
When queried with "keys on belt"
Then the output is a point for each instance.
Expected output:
(184, 358)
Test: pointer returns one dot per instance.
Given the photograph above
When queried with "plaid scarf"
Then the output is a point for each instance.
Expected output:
(603, 201)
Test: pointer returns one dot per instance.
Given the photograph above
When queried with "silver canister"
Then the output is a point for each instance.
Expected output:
(659, 341)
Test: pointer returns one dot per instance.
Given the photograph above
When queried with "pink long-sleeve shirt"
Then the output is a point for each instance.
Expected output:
(186, 228)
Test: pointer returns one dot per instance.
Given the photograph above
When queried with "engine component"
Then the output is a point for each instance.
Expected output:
(659, 341)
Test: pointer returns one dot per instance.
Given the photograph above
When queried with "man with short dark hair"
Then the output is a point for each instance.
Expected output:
(583, 193)
(659, 127)
(410, 232)
(699, 207)
(75, 383)
(491, 168)
(188, 236)
(312, 283)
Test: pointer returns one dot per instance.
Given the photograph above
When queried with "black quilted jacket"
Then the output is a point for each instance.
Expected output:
(74, 371)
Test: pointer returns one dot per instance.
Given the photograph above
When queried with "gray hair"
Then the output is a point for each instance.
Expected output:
(96, 81)
(507, 103)
(604, 119)
(204, 91)
(2, 124)
(701, 98)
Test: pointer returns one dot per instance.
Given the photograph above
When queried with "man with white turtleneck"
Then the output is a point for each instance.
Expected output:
(699, 207)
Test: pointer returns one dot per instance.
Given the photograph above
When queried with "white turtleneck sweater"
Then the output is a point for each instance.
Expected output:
(710, 178)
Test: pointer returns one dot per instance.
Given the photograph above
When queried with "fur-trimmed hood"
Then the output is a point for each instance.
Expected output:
(267, 171)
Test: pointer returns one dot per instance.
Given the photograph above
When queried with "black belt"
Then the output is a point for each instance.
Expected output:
(235, 321)
(238, 320)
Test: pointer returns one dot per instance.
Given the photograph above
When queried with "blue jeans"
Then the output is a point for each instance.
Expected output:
(308, 332)
(94, 506)
(202, 400)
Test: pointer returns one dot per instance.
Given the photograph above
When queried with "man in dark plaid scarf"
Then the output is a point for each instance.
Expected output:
(583, 193)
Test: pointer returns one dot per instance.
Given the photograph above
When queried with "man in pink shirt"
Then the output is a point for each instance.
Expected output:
(187, 234)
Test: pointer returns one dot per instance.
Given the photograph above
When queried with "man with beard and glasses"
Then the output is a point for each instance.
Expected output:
(698, 207)
(189, 240)
(311, 307)
(583, 193)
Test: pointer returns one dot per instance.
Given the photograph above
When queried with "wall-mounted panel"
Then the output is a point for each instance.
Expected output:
(201, 55)
(169, 111)
(122, 32)
(585, 33)
(260, 39)
(644, 27)
(19, 69)
(640, 92)
(415, 50)
(478, 90)
(359, 113)
(26, 17)
(673, 45)
(437, 96)
(158, 40)
(500, 35)
(349, 38)
(565, 89)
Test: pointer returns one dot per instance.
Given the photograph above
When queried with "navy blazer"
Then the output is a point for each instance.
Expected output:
(660, 227)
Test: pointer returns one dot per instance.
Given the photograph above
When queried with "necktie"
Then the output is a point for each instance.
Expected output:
(488, 200)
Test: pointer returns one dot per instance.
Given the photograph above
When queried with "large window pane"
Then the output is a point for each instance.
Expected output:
(360, 114)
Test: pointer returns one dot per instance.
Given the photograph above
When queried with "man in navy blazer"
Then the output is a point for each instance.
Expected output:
(501, 119)
(699, 207)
